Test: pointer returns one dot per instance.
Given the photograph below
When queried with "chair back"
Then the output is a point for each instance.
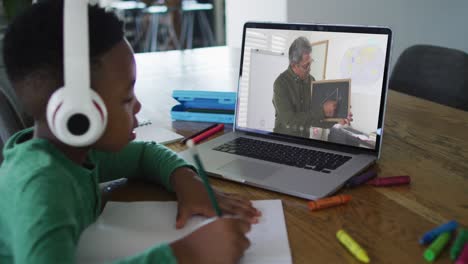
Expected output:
(434, 73)
(10, 121)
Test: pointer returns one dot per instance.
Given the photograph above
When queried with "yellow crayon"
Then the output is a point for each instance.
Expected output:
(352, 246)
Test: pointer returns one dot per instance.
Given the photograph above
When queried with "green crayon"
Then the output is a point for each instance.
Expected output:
(431, 253)
(457, 246)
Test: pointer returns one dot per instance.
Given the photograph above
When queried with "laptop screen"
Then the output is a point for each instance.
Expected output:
(316, 82)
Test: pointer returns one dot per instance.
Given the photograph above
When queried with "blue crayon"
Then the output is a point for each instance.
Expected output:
(431, 235)
(360, 179)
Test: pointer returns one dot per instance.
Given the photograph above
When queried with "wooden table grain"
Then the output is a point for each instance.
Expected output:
(422, 139)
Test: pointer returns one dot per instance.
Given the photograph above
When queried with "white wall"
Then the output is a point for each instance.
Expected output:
(436, 22)
(240, 11)
(365, 93)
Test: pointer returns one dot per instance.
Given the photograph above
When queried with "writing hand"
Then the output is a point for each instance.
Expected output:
(193, 199)
(222, 241)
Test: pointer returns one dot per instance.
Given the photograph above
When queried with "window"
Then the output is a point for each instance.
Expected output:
(265, 40)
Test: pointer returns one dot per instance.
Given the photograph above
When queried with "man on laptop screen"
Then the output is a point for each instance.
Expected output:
(292, 95)
(294, 130)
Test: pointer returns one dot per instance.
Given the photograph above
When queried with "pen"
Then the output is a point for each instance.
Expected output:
(329, 202)
(352, 246)
(431, 235)
(202, 174)
(198, 133)
(208, 133)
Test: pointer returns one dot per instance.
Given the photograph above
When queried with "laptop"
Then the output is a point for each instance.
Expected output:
(283, 138)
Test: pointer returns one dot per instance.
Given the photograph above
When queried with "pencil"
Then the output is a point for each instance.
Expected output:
(198, 133)
(202, 174)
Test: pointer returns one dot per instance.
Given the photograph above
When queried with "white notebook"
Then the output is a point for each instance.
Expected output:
(148, 131)
(126, 229)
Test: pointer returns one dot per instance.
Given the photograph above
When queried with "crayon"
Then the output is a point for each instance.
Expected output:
(463, 258)
(462, 238)
(432, 234)
(360, 179)
(431, 253)
(208, 133)
(329, 202)
(198, 133)
(390, 181)
(352, 246)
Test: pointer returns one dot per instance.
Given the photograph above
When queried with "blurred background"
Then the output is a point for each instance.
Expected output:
(160, 25)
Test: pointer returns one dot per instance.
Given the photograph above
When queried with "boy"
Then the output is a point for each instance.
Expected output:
(49, 191)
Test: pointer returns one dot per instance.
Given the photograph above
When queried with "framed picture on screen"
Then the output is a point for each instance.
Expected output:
(332, 97)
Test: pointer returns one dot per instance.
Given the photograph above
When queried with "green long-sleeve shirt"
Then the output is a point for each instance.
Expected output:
(293, 109)
(46, 200)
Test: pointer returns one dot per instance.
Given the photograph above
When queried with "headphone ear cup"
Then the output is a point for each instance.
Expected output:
(74, 122)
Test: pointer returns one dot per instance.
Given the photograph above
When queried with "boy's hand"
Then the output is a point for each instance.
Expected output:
(221, 241)
(193, 200)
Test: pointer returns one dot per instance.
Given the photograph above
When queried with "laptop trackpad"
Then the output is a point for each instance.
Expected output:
(248, 169)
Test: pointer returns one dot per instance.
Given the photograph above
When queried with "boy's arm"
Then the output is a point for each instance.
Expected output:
(46, 225)
(146, 160)
(49, 216)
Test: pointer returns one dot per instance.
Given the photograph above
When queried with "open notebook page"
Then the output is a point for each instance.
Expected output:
(148, 131)
(125, 229)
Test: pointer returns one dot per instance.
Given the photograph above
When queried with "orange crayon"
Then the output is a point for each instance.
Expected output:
(329, 202)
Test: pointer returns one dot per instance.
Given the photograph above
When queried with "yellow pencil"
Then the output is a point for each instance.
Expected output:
(352, 246)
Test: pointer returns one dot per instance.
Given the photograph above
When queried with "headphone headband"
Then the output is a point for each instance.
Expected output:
(76, 48)
(76, 114)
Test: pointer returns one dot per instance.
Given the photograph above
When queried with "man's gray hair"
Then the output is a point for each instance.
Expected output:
(299, 47)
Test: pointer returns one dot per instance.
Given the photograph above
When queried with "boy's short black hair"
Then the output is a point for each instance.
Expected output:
(33, 43)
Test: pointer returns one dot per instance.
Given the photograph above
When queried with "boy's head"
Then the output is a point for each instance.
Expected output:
(33, 55)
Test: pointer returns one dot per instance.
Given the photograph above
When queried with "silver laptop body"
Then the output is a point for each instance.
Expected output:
(355, 57)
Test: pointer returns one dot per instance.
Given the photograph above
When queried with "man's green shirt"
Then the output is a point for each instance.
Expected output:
(292, 102)
(46, 200)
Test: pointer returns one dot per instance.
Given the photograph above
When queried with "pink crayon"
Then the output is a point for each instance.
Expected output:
(463, 258)
(390, 181)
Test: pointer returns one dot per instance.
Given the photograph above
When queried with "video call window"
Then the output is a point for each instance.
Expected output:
(310, 84)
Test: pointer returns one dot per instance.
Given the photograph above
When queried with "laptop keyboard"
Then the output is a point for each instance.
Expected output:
(284, 154)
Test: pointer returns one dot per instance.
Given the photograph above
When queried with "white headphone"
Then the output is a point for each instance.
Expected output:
(76, 114)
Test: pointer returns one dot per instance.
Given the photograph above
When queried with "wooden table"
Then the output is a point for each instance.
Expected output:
(422, 139)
